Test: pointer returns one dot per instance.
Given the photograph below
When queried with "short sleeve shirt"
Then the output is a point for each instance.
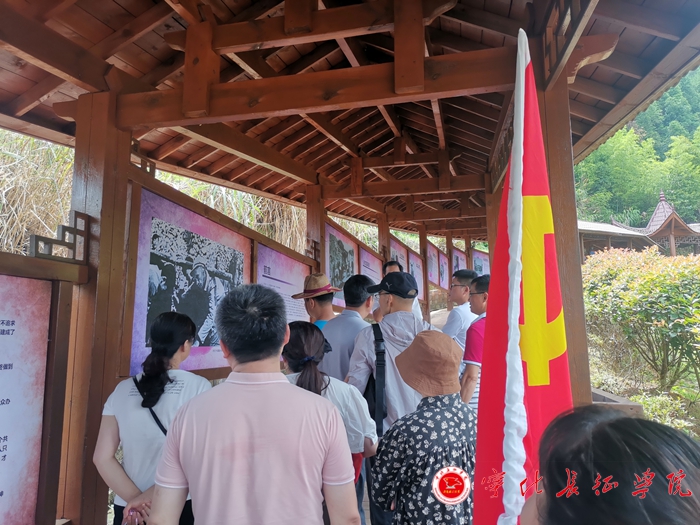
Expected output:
(141, 438)
(474, 353)
(256, 450)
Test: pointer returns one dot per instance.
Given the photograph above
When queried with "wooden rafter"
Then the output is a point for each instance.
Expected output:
(38, 45)
(644, 19)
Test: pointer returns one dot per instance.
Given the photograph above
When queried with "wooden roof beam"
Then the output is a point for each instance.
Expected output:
(446, 76)
(398, 188)
(644, 19)
(328, 24)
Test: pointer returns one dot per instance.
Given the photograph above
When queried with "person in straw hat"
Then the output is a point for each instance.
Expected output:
(424, 467)
(318, 298)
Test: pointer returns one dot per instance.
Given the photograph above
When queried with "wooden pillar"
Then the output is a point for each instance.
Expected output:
(672, 241)
(100, 190)
(583, 249)
(423, 236)
(384, 236)
(316, 225)
(556, 127)
(493, 207)
(468, 252)
(609, 242)
(450, 271)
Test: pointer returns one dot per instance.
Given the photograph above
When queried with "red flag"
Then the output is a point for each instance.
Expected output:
(525, 372)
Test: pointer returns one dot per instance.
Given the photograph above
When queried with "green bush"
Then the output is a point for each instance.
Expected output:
(664, 409)
(648, 304)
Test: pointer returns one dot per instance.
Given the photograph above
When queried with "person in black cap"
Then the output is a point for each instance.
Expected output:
(399, 326)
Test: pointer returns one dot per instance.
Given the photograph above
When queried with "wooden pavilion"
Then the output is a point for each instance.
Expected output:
(667, 228)
(395, 112)
(599, 236)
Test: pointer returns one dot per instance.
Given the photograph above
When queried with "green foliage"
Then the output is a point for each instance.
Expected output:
(676, 113)
(409, 239)
(659, 151)
(664, 409)
(651, 303)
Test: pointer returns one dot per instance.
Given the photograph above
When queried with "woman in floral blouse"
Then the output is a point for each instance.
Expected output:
(425, 462)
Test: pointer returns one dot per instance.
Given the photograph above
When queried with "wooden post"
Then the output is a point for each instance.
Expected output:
(493, 206)
(672, 241)
(100, 190)
(316, 224)
(384, 236)
(423, 236)
(468, 252)
(583, 249)
(556, 127)
(450, 251)
(410, 46)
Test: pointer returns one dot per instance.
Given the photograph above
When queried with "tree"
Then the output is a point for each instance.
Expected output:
(621, 175)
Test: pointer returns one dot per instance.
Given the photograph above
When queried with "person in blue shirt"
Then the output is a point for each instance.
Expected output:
(318, 298)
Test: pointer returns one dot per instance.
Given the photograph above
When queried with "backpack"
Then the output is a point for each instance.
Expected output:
(376, 384)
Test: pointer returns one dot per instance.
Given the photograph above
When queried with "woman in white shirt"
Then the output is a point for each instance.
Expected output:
(301, 355)
(139, 412)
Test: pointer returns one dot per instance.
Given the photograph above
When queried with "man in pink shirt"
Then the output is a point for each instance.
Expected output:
(474, 345)
(255, 450)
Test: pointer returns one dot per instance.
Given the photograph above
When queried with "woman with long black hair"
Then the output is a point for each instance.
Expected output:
(139, 411)
(302, 355)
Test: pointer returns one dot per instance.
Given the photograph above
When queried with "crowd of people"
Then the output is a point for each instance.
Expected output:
(295, 435)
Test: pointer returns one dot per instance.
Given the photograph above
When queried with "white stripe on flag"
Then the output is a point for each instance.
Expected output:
(515, 427)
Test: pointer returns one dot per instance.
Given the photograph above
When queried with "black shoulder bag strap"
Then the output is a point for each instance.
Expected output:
(155, 418)
(380, 379)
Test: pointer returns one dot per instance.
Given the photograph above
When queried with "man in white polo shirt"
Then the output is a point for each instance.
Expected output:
(461, 316)
(255, 450)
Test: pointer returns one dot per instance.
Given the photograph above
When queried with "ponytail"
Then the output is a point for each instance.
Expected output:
(169, 331)
(304, 352)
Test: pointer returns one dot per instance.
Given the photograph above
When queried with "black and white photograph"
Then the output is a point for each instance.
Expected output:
(341, 261)
(190, 274)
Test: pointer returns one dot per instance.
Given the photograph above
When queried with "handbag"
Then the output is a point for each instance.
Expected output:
(374, 391)
(155, 417)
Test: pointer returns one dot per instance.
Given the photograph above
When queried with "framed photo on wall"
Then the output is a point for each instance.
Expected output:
(433, 264)
(185, 263)
(342, 255)
(444, 275)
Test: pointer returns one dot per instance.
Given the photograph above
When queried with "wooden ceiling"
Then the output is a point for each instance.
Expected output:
(266, 150)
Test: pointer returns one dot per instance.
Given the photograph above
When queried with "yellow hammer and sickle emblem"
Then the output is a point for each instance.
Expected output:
(540, 341)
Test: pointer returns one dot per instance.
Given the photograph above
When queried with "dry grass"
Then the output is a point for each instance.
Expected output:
(35, 189)
(281, 222)
(35, 196)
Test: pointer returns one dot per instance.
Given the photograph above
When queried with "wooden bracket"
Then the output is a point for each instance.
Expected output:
(71, 239)
(357, 175)
(67, 110)
(142, 162)
(400, 151)
(588, 50)
(410, 205)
